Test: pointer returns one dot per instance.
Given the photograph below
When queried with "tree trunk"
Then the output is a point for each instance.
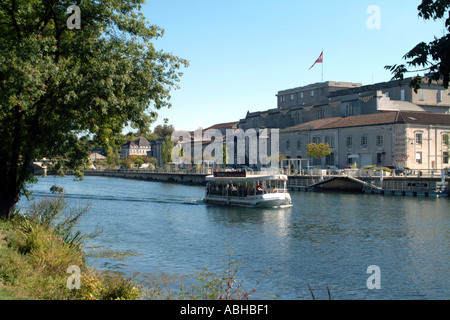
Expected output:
(8, 200)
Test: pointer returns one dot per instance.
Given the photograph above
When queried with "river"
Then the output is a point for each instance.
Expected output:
(323, 240)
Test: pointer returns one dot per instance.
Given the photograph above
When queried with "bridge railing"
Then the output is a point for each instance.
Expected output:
(373, 173)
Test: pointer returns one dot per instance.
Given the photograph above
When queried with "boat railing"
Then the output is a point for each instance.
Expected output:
(263, 172)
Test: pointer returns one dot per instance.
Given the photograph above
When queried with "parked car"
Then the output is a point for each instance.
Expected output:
(333, 170)
(347, 167)
(385, 169)
(397, 170)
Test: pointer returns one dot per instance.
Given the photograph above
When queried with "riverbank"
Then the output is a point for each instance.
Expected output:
(34, 261)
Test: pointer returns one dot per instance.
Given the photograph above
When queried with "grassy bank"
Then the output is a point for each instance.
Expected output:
(34, 262)
(38, 247)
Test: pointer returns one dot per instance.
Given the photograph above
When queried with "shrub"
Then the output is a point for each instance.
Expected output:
(208, 285)
(95, 286)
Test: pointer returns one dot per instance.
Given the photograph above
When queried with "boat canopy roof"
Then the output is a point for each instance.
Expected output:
(250, 178)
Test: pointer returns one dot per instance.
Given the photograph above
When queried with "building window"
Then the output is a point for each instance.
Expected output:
(299, 144)
(380, 140)
(349, 160)
(282, 99)
(402, 95)
(387, 94)
(312, 93)
(419, 157)
(321, 113)
(446, 140)
(349, 141)
(349, 110)
(301, 95)
(421, 95)
(445, 157)
(292, 97)
(329, 160)
(363, 141)
(419, 138)
(330, 141)
(379, 158)
(316, 140)
(288, 145)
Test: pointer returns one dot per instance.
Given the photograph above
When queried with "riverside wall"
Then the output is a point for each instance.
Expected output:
(184, 178)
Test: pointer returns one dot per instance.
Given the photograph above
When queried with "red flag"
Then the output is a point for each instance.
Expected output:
(319, 60)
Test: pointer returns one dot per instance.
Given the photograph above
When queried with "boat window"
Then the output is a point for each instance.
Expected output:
(259, 187)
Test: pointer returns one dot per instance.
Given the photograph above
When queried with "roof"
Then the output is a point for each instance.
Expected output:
(381, 118)
(141, 142)
(424, 118)
(129, 144)
(96, 156)
(223, 125)
(248, 178)
(398, 105)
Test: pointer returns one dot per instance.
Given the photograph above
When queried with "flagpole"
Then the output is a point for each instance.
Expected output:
(322, 65)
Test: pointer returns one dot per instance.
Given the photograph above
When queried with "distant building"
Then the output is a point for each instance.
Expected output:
(156, 146)
(93, 156)
(140, 147)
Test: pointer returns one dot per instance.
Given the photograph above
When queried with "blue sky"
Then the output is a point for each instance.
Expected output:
(242, 53)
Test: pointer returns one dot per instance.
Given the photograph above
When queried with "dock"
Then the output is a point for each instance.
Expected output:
(416, 184)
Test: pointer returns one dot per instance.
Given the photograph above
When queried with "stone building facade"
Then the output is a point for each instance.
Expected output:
(418, 140)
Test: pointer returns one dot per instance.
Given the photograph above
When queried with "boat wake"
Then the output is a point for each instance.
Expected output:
(186, 201)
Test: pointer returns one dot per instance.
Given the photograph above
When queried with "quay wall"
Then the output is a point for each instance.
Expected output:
(184, 178)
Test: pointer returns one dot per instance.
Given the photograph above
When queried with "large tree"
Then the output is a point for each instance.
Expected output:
(57, 83)
(433, 58)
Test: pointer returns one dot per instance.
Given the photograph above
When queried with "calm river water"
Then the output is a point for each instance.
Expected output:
(324, 239)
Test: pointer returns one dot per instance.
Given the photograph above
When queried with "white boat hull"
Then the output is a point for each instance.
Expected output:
(267, 200)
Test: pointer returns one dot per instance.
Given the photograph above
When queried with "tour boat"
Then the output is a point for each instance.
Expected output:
(242, 188)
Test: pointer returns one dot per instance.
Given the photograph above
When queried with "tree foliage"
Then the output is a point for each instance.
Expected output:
(318, 150)
(163, 130)
(57, 84)
(166, 150)
(432, 57)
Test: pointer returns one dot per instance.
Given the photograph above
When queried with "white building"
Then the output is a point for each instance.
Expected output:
(138, 148)
(418, 140)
